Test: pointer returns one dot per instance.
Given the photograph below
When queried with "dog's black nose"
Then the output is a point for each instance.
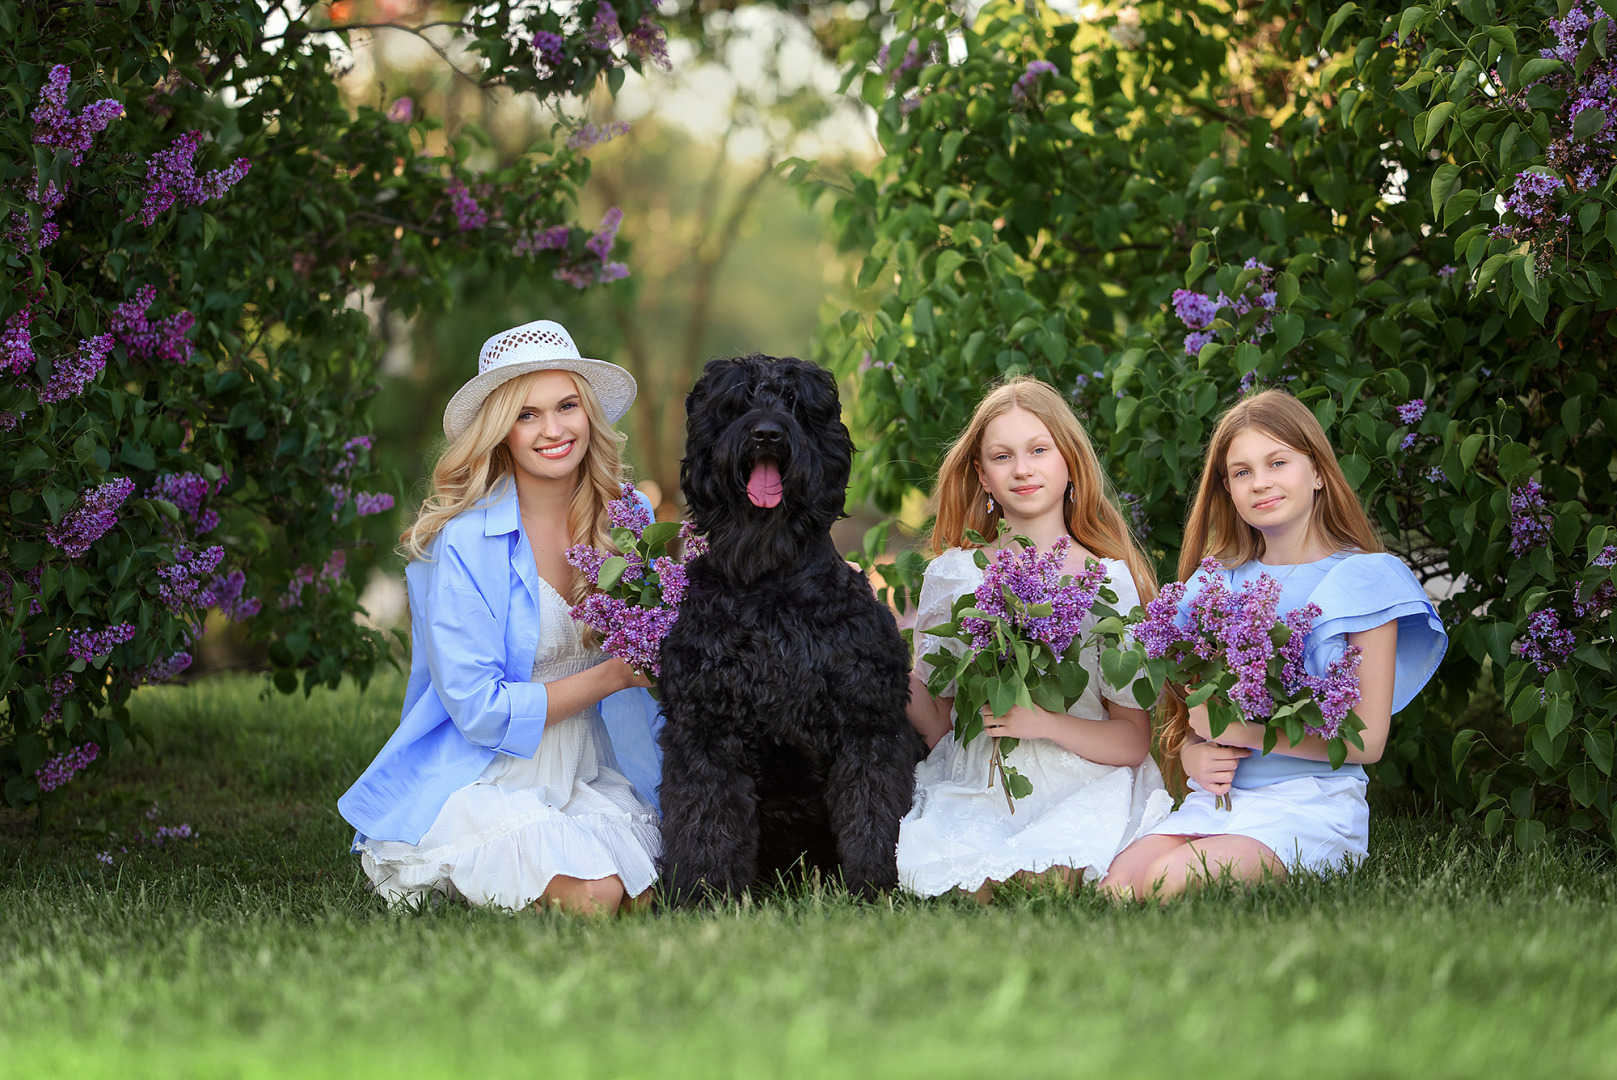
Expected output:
(767, 431)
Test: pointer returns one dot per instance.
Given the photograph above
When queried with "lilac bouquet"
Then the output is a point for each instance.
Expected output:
(640, 584)
(1023, 628)
(1247, 664)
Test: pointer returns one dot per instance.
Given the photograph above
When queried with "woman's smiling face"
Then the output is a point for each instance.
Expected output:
(552, 430)
(1272, 484)
(1020, 465)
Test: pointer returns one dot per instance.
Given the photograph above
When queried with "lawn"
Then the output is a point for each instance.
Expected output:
(253, 950)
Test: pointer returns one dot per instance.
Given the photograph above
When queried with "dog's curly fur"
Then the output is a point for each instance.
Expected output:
(784, 681)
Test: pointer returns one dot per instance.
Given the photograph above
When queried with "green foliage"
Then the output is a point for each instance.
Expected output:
(1041, 222)
(241, 358)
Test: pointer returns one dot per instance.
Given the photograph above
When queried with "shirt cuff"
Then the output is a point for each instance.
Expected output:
(529, 703)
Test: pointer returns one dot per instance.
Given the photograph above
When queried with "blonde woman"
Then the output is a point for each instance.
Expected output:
(1025, 460)
(524, 770)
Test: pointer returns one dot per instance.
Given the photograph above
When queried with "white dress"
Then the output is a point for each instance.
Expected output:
(960, 832)
(567, 810)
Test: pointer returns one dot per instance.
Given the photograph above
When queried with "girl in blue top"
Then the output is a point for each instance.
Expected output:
(1273, 500)
(525, 765)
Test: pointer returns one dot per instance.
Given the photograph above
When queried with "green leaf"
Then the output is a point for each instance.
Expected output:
(659, 534)
(1470, 448)
(1461, 747)
(1459, 205)
(1200, 695)
(1489, 269)
(1536, 68)
(1514, 459)
(1529, 834)
(612, 571)
(1588, 122)
(1443, 181)
(1198, 263)
(1496, 639)
(1435, 120)
(1558, 715)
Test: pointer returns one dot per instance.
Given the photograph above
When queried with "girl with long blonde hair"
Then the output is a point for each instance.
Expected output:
(524, 769)
(1273, 500)
(1025, 460)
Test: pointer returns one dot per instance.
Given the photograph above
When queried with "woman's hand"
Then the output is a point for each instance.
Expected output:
(623, 676)
(1020, 723)
(1212, 765)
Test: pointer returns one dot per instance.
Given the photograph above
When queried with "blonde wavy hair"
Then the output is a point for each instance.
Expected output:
(1093, 518)
(471, 466)
(1215, 526)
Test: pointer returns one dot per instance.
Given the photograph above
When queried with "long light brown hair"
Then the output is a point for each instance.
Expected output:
(1093, 519)
(1215, 527)
(471, 466)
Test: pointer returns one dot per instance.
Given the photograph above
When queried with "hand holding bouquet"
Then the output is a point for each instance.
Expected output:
(1022, 628)
(640, 583)
(1246, 664)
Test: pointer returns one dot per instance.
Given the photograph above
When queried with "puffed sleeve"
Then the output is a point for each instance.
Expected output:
(949, 575)
(465, 652)
(1121, 582)
(1364, 592)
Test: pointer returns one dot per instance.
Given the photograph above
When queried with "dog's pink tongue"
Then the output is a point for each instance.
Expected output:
(763, 487)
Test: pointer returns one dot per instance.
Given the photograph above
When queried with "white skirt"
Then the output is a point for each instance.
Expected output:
(500, 840)
(1316, 823)
(960, 833)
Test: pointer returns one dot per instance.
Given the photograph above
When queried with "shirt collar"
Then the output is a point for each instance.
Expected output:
(502, 513)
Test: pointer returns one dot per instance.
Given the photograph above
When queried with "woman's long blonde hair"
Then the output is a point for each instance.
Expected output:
(473, 464)
(1093, 518)
(1215, 527)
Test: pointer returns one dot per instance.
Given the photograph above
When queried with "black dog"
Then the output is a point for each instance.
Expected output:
(784, 681)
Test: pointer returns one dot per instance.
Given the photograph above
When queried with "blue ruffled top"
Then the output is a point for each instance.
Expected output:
(1354, 593)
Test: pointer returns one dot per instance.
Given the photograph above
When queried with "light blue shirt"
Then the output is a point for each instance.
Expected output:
(1354, 593)
(474, 617)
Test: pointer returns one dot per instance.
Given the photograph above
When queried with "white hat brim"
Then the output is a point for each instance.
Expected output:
(614, 388)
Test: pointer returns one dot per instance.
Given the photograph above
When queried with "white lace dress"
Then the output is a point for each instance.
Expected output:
(960, 832)
(568, 810)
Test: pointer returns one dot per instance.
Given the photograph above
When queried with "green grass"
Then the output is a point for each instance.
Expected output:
(255, 951)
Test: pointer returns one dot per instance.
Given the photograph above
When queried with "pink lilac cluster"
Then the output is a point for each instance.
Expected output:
(1023, 90)
(1547, 644)
(73, 372)
(224, 591)
(401, 111)
(86, 645)
(649, 43)
(159, 671)
(1198, 310)
(322, 580)
(628, 512)
(469, 213)
(89, 521)
(49, 198)
(1034, 579)
(56, 125)
(529, 244)
(593, 134)
(184, 582)
(171, 178)
(61, 768)
(632, 633)
(604, 31)
(1337, 691)
(1528, 527)
(188, 491)
(146, 339)
(1532, 200)
(17, 342)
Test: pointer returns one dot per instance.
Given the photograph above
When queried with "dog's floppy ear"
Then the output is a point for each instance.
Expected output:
(698, 480)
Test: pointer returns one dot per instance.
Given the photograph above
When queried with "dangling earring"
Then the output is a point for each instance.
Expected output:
(990, 504)
(1070, 496)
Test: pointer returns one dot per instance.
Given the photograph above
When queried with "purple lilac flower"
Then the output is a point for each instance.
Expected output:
(604, 31)
(48, 196)
(366, 503)
(144, 339)
(187, 491)
(601, 243)
(60, 769)
(224, 591)
(1337, 691)
(1607, 556)
(1193, 308)
(1532, 200)
(159, 671)
(104, 858)
(1528, 528)
(592, 134)
(401, 111)
(322, 580)
(1408, 441)
(628, 631)
(1603, 598)
(671, 576)
(1293, 675)
(1196, 341)
(1445, 272)
(628, 512)
(554, 238)
(86, 645)
(77, 370)
(648, 42)
(469, 213)
(60, 688)
(1160, 630)
(1248, 646)
(171, 178)
(171, 832)
(907, 63)
(184, 582)
(1033, 579)
(89, 521)
(1435, 475)
(692, 543)
(1548, 644)
(17, 342)
(1412, 412)
(1198, 310)
(587, 560)
(551, 49)
(1023, 89)
(57, 127)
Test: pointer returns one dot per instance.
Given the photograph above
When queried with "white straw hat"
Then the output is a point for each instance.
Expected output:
(536, 346)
